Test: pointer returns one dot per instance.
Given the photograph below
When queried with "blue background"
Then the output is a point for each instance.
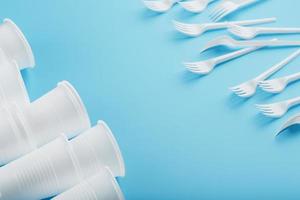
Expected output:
(182, 136)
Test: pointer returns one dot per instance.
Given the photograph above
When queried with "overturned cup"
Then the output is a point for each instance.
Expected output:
(23, 129)
(61, 164)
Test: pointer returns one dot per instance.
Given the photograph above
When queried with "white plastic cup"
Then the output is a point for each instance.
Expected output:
(15, 45)
(102, 186)
(42, 173)
(59, 111)
(99, 143)
(59, 165)
(12, 87)
(13, 141)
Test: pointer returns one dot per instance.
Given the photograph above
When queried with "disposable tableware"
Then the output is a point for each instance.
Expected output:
(251, 32)
(278, 109)
(248, 88)
(194, 30)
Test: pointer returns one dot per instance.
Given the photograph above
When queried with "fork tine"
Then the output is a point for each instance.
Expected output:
(216, 10)
(266, 87)
(180, 24)
(237, 88)
(240, 92)
(192, 67)
(183, 30)
(244, 95)
(264, 107)
(187, 31)
(198, 71)
(271, 115)
(223, 10)
(266, 110)
(262, 84)
(217, 13)
(261, 105)
(223, 15)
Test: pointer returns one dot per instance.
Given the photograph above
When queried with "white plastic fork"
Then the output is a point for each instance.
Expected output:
(227, 7)
(195, 6)
(160, 5)
(252, 32)
(205, 67)
(232, 43)
(295, 120)
(277, 110)
(279, 84)
(248, 89)
(194, 30)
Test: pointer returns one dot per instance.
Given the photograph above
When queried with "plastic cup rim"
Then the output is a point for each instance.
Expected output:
(16, 70)
(115, 146)
(115, 184)
(77, 102)
(21, 81)
(24, 41)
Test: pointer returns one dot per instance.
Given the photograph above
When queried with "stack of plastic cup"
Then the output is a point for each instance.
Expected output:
(102, 186)
(60, 165)
(15, 45)
(12, 87)
(27, 128)
(39, 174)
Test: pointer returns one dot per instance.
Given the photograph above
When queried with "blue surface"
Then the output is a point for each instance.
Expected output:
(182, 136)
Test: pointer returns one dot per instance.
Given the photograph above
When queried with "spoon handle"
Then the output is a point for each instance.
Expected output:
(278, 66)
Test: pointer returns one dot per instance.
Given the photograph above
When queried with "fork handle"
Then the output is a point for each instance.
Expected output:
(293, 77)
(271, 43)
(278, 66)
(279, 30)
(235, 54)
(221, 25)
(293, 102)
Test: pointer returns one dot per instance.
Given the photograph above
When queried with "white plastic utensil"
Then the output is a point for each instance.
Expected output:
(251, 32)
(227, 7)
(205, 67)
(295, 120)
(277, 110)
(23, 129)
(15, 45)
(195, 6)
(194, 30)
(60, 165)
(248, 88)
(160, 5)
(12, 87)
(277, 85)
(232, 43)
(102, 186)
